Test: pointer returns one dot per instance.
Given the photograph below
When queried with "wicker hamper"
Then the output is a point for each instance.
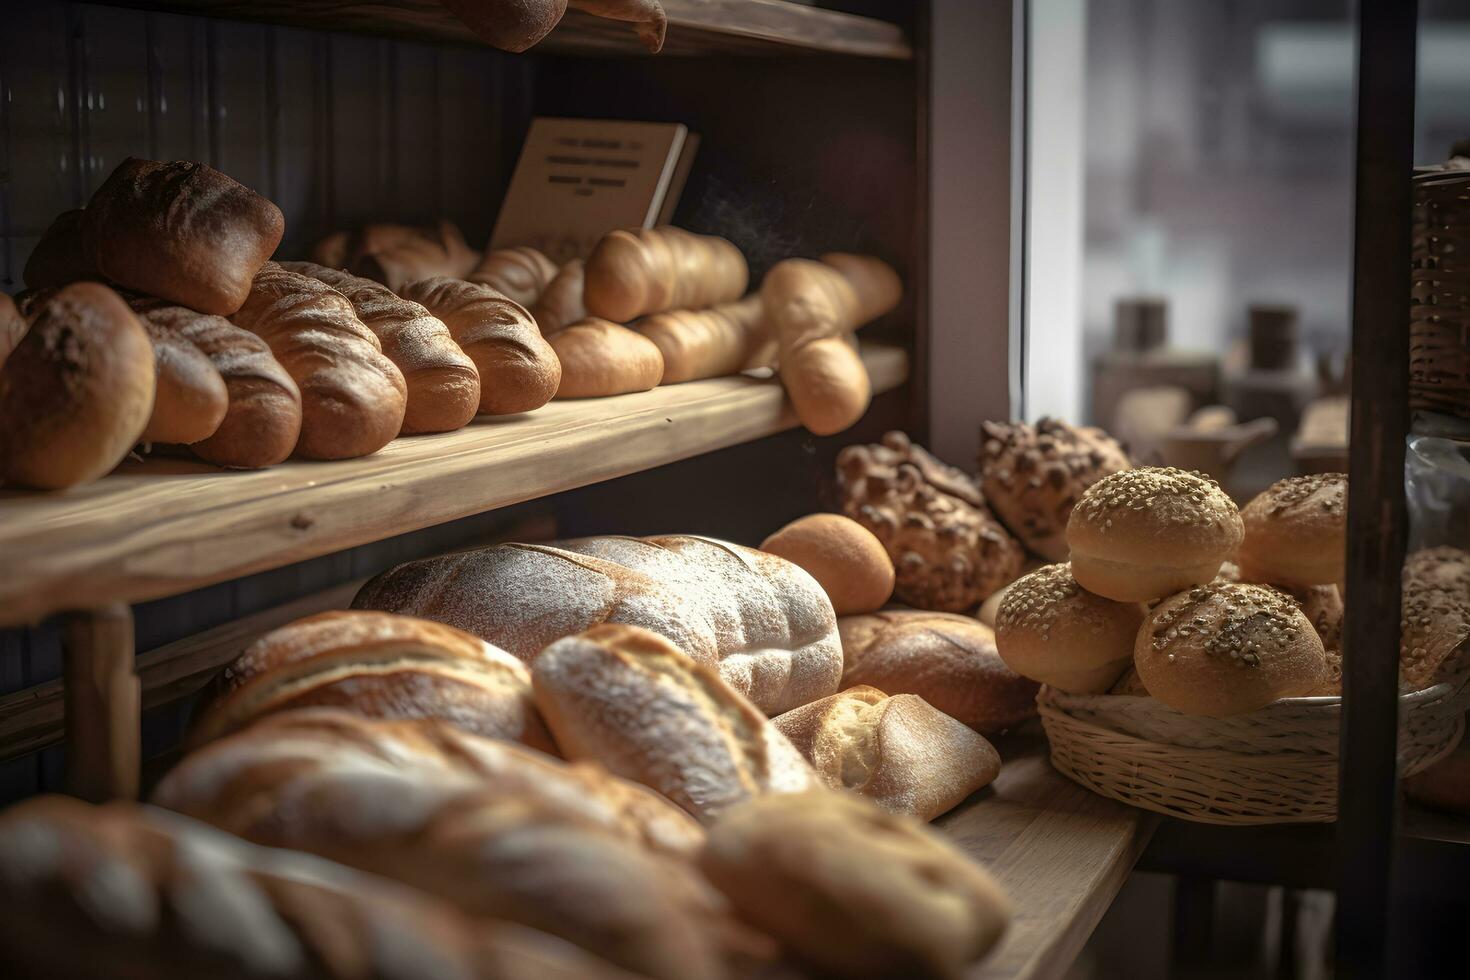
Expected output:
(1276, 765)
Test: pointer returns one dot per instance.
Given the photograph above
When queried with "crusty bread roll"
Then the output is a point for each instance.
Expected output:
(380, 666)
(874, 282)
(601, 358)
(635, 272)
(854, 891)
(125, 890)
(13, 327)
(900, 752)
(948, 551)
(710, 343)
(810, 308)
(519, 371)
(950, 661)
(262, 420)
(60, 257)
(77, 391)
(352, 397)
(560, 303)
(1141, 534)
(847, 561)
(443, 383)
(1033, 476)
(763, 622)
(395, 259)
(180, 231)
(520, 273)
(634, 702)
(191, 399)
(234, 781)
(1052, 630)
(1219, 650)
(1296, 532)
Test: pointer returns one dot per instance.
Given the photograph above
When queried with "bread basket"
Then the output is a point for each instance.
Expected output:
(1275, 765)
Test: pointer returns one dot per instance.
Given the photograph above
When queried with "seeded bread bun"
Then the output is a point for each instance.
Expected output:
(1034, 475)
(1052, 630)
(1150, 532)
(1296, 532)
(847, 561)
(1219, 650)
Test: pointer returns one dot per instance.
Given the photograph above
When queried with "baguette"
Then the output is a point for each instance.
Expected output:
(77, 391)
(191, 398)
(263, 419)
(874, 283)
(901, 752)
(560, 303)
(811, 308)
(520, 273)
(634, 702)
(380, 666)
(180, 231)
(519, 371)
(712, 343)
(156, 896)
(632, 273)
(352, 397)
(854, 891)
(409, 255)
(600, 358)
(764, 623)
(443, 384)
(490, 853)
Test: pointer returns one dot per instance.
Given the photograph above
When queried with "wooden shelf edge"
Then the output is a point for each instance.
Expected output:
(166, 526)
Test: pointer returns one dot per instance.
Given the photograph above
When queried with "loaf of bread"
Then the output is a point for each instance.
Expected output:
(380, 666)
(13, 327)
(711, 343)
(631, 700)
(950, 661)
(191, 399)
(765, 624)
(1143, 534)
(60, 257)
(1435, 635)
(262, 419)
(520, 273)
(1296, 532)
(633, 273)
(1033, 475)
(491, 852)
(1219, 650)
(443, 383)
(1052, 630)
(810, 308)
(180, 231)
(518, 369)
(77, 391)
(560, 303)
(854, 891)
(352, 397)
(847, 561)
(900, 752)
(601, 358)
(875, 284)
(125, 890)
(948, 551)
(424, 254)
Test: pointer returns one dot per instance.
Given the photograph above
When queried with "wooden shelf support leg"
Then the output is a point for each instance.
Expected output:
(103, 704)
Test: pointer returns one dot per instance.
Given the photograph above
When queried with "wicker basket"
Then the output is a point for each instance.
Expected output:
(1439, 306)
(1276, 765)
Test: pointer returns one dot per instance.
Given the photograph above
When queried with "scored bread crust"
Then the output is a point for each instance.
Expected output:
(762, 621)
(900, 752)
(1155, 516)
(631, 700)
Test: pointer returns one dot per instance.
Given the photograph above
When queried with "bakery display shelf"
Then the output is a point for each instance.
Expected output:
(167, 525)
(695, 27)
(1060, 852)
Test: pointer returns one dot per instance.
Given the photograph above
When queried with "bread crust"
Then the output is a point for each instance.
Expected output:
(521, 273)
(636, 272)
(710, 343)
(847, 561)
(600, 358)
(1054, 631)
(1296, 532)
(191, 399)
(560, 303)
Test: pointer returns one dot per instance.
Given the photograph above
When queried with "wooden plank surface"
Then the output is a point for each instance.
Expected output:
(695, 27)
(162, 526)
(1060, 851)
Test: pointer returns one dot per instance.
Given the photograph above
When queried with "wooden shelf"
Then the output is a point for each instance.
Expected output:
(1060, 851)
(163, 526)
(696, 27)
